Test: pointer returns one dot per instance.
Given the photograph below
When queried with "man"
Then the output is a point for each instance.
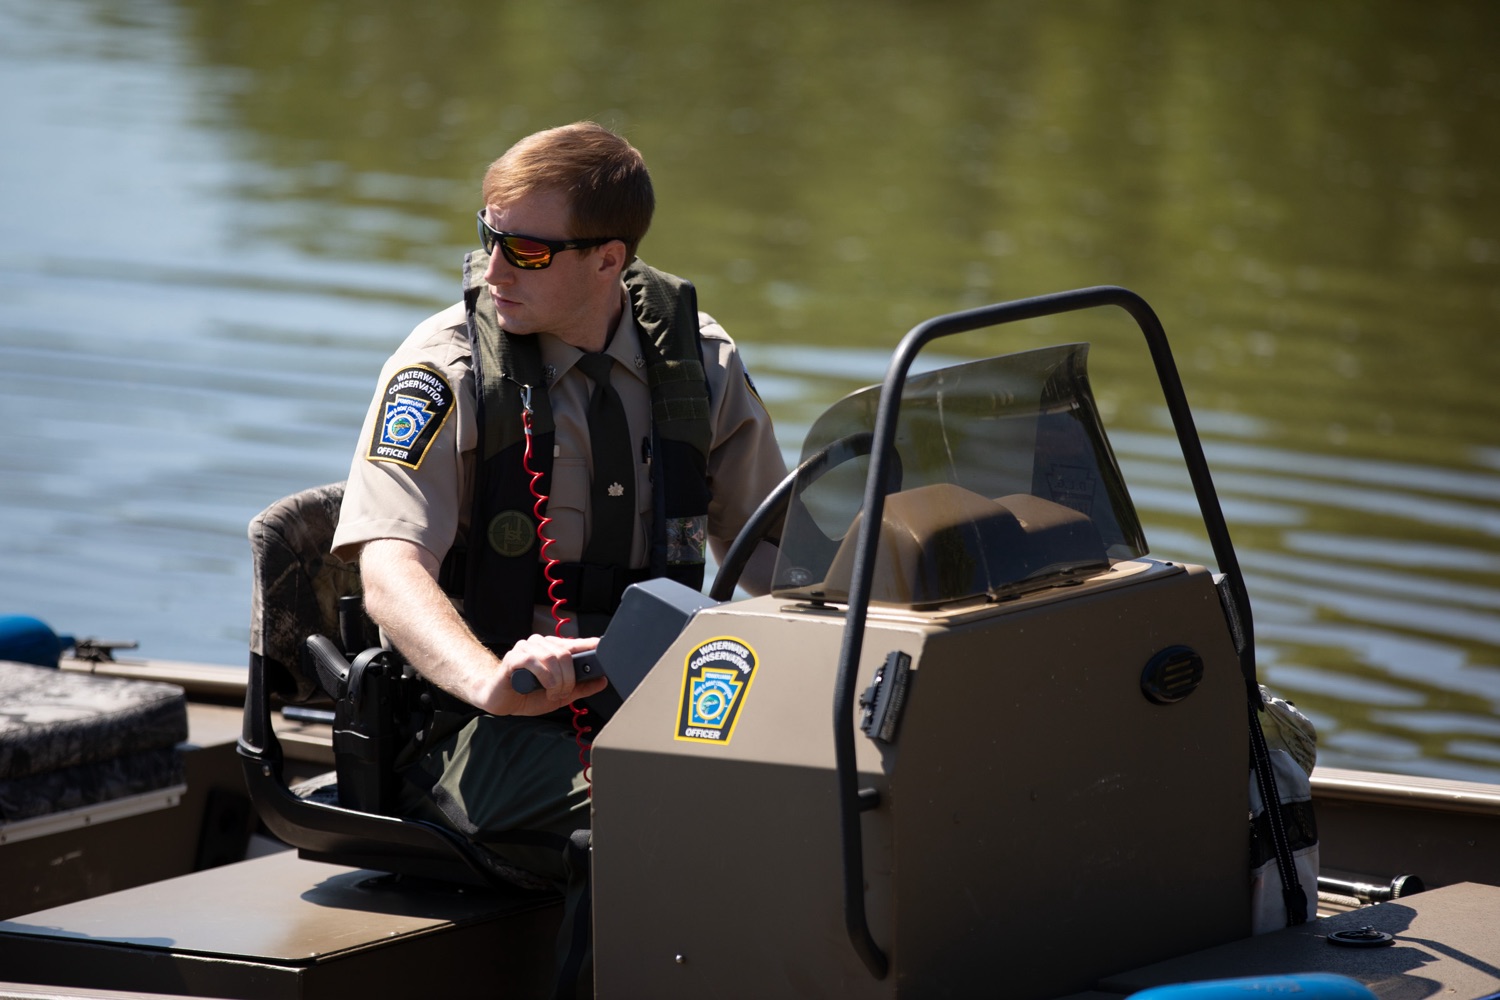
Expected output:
(487, 405)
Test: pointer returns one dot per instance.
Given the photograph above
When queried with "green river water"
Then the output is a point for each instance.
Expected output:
(218, 218)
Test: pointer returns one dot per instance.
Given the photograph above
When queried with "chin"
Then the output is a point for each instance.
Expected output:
(512, 323)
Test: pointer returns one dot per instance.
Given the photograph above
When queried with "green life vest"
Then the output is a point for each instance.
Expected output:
(497, 570)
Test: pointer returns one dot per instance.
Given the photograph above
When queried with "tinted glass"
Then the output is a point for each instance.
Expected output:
(1005, 481)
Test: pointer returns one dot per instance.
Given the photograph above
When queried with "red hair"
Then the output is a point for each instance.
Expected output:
(603, 176)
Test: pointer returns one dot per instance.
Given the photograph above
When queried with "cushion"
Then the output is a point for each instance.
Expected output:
(71, 739)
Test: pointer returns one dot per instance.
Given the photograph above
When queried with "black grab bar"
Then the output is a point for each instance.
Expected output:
(882, 451)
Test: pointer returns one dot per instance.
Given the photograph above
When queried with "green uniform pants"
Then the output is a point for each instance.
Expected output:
(515, 785)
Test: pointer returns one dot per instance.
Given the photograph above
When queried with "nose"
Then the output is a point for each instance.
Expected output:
(499, 270)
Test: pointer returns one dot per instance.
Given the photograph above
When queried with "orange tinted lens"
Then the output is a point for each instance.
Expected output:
(527, 253)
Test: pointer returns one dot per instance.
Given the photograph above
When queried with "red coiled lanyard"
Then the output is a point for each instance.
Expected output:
(549, 565)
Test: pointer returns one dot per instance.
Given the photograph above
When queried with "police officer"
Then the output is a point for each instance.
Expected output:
(505, 397)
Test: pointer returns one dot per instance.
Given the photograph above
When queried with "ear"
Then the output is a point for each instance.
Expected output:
(610, 259)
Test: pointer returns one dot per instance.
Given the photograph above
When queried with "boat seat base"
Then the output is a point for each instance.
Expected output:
(281, 926)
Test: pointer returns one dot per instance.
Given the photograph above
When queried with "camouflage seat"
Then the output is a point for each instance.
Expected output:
(298, 587)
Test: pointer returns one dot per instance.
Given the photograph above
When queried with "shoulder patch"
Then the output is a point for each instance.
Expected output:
(417, 403)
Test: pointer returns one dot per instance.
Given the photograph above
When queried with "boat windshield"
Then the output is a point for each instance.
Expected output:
(1003, 482)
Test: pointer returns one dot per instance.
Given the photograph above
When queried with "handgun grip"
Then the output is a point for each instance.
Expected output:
(332, 669)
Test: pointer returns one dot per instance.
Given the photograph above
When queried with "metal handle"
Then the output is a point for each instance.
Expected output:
(586, 667)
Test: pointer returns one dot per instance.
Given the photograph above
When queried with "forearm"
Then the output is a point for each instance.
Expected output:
(402, 596)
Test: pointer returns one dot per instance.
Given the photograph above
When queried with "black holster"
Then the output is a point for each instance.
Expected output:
(369, 726)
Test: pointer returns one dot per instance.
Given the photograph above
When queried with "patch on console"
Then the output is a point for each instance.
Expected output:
(716, 678)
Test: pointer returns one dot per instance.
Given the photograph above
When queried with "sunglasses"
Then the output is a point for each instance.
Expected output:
(531, 252)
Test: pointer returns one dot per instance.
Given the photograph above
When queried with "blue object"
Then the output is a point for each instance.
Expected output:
(29, 640)
(1304, 986)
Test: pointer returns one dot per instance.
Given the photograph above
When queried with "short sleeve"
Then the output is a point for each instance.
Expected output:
(745, 462)
(414, 456)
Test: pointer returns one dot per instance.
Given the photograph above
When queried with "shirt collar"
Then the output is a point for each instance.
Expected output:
(624, 347)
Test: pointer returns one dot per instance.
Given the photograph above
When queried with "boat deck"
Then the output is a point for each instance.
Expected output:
(282, 927)
(1443, 944)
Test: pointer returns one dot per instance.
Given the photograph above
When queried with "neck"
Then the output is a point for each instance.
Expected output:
(613, 325)
(599, 334)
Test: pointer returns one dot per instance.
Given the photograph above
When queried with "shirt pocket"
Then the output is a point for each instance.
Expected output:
(568, 508)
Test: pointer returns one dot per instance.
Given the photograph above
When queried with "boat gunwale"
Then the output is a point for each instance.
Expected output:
(1332, 784)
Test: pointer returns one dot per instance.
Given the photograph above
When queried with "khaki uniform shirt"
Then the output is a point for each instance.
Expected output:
(430, 504)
